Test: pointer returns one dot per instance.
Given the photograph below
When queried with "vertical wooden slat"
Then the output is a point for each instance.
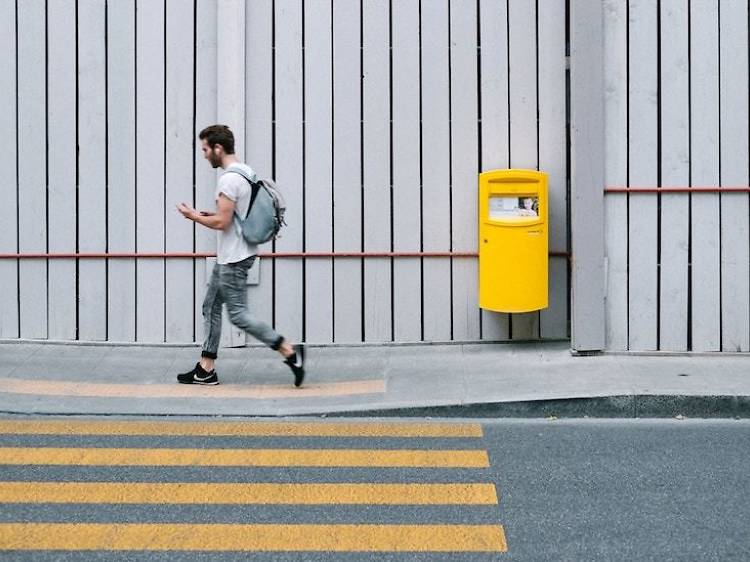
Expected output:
(407, 283)
(259, 106)
(523, 117)
(616, 173)
(92, 177)
(376, 169)
(205, 114)
(704, 164)
(8, 176)
(121, 167)
(552, 159)
(32, 188)
(230, 68)
(179, 168)
(61, 71)
(643, 167)
(289, 276)
(675, 169)
(495, 119)
(436, 170)
(150, 169)
(318, 170)
(735, 253)
(347, 221)
(231, 105)
(464, 165)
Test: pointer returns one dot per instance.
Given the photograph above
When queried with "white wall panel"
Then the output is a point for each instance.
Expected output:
(464, 166)
(92, 169)
(347, 170)
(121, 167)
(179, 169)
(675, 172)
(318, 170)
(61, 128)
(259, 91)
(642, 172)
(231, 102)
(8, 176)
(616, 173)
(289, 165)
(32, 172)
(552, 159)
(735, 253)
(704, 168)
(436, 170)
(587, 163)
(407, 163)
(150, 170)
(205, 114)
(376, 192)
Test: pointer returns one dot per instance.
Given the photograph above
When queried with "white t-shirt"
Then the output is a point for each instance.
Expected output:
(231, 246)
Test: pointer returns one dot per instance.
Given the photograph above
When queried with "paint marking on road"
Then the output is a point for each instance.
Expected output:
(245, 457)
(252, 392)
(227, 537)
(278, 494)
(243, 429)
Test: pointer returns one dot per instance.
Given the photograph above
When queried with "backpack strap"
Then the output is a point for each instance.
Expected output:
(254, 185)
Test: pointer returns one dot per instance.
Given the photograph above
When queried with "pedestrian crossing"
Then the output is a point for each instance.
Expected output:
(250, 487)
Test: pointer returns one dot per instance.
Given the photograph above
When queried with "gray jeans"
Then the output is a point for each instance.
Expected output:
(229, 286)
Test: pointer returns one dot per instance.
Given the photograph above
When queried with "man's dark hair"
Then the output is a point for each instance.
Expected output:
(218, 134)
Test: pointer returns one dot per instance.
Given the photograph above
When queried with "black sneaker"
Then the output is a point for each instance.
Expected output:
(198, 376)
(296, 363)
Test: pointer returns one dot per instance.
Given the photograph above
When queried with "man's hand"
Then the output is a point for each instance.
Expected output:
(187, 211)
(219, 220)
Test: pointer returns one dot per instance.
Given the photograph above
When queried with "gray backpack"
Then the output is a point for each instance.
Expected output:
(265, 214)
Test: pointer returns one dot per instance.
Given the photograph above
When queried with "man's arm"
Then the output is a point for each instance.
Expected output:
(217, 221)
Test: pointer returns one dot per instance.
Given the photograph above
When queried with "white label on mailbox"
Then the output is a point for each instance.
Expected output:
(506, 207)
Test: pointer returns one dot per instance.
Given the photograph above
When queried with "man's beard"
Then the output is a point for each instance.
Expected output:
(215, 161)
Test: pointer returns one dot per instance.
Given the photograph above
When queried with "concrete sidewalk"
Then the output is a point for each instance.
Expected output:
(477, 380)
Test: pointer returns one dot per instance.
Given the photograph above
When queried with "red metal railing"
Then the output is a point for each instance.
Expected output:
(273, 255)
(696, 189)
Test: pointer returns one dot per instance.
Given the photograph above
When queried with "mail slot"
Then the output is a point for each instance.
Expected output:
(513, 240)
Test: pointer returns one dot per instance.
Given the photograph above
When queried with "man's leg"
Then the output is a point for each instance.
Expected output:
(212, 304)
(203, 372)
(233, 282)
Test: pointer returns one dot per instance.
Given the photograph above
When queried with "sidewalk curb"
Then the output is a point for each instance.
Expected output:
(623, 406)
(602, 407)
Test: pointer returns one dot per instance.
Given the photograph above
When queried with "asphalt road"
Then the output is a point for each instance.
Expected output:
(521, 490)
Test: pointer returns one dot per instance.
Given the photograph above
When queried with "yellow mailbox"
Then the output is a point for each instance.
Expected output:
(513, 244)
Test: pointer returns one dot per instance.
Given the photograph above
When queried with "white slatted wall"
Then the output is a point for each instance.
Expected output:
(375, 117)
(676, 98)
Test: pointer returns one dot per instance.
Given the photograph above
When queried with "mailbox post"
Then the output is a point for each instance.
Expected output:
(513, 240)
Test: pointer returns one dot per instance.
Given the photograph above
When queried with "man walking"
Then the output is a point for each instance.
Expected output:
(234, 257)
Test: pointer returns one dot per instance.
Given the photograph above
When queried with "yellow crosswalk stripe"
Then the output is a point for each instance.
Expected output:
(190, 493)
(245, 457)
(243, 429)
(40, 387)
(227, 537)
